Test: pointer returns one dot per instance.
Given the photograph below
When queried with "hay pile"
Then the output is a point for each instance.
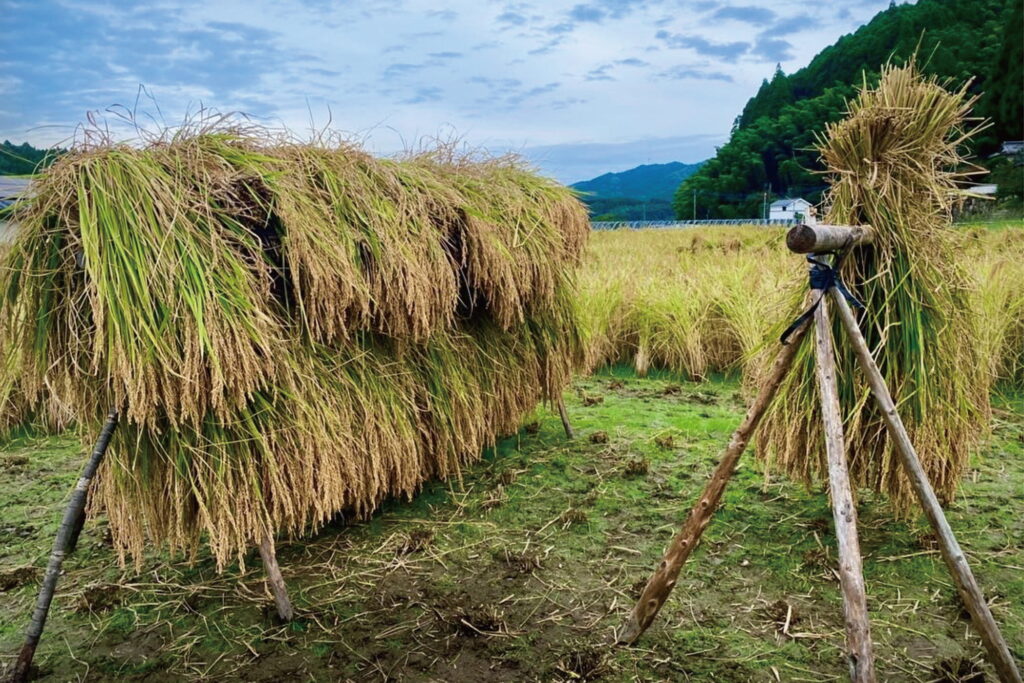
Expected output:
(892, 164)
(289, 330)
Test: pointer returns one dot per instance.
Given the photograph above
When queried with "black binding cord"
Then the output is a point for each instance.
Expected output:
(822, 276)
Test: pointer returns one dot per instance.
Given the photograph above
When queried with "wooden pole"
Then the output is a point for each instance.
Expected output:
(661, 583)
(274, 578)
(844, 512)
(821, 238)
(565, 418)
(75, 508)
(956, 561)
(76, 531)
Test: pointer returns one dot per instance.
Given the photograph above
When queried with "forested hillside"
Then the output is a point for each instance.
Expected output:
(771, 147)
(647, 181)
(22, 159)
(641, 193)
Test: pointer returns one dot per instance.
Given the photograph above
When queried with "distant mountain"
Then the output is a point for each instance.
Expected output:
(643, 193)
(645, 182)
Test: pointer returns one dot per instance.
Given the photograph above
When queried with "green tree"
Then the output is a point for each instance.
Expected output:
(24, 159)
(1005, 103)
(772, 143)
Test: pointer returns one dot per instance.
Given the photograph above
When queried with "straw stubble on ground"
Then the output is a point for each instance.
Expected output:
(522, 570)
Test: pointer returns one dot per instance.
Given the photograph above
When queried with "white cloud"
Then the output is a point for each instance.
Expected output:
(562, 75)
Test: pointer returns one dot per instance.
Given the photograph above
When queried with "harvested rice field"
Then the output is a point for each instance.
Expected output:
(344, 366)
(523, 569)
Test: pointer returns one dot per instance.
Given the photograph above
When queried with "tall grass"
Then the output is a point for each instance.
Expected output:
(290, 331)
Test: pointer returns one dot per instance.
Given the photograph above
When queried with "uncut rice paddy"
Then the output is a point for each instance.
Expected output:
(706, 300)
(522, 569)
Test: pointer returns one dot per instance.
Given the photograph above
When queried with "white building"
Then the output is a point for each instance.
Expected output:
(987, 189)
(1011, 147)
(791, 210)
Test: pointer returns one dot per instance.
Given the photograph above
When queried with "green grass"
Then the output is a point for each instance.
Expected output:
(995, 224)
(522, 570)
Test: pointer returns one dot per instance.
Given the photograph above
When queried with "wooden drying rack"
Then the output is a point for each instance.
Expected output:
(824, 239)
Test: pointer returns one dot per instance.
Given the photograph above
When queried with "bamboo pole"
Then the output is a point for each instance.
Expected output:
(661, 583)
(76, 531)
(565, 418)
(75, 508)
(274, 578)
(844, 512)
(973, 599)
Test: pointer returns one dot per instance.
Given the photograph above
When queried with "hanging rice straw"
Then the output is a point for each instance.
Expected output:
(894, 163)
(289, 331)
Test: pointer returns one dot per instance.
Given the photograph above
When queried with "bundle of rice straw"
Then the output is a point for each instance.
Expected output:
(289, 331)
(892, 164)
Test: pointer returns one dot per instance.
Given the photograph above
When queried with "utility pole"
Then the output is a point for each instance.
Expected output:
(695, 205)
(764, 204)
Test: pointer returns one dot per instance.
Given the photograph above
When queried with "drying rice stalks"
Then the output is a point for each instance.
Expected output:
(289, 331)
(889, 162)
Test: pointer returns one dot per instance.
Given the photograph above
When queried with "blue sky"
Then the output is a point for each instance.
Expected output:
(580, 88)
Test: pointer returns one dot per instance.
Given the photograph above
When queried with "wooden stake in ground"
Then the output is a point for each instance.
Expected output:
(565, 418)
(844, 512)
(956, 561)
(73, 512)
(663, 580)
(274, 578)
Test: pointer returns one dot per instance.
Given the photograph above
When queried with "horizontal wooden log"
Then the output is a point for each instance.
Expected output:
(817, 239)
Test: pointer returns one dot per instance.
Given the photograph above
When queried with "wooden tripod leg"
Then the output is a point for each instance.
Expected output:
(73, 512)
(660, 585)
(844, 512)
(274, 578)
(956, 561)
(565, 418)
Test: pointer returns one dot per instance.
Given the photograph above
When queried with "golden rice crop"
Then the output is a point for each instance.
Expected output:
(996, 262)
(892, 164)
(693, 301)
(629, 270)
(289, 330)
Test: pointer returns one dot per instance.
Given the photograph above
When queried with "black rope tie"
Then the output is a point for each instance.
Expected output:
(822, 276)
